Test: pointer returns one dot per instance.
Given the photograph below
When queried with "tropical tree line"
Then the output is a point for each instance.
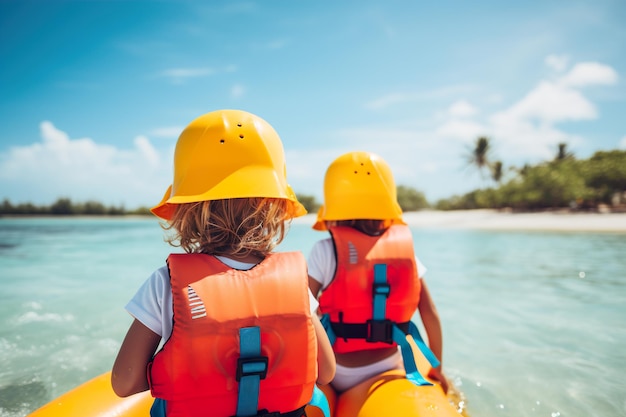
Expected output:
(409, 198)
(563, 182)
(66, 207)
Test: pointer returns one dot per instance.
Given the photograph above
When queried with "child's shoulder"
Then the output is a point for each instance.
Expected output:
(323, 246)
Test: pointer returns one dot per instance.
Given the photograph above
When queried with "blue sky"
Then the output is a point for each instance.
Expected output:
(93, 94)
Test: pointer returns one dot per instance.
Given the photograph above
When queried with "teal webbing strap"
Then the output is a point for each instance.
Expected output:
(320, 401)
(412, 373)
(380, 291)
(325, 320)
(428, 354)
(159, 408)
(251, 368)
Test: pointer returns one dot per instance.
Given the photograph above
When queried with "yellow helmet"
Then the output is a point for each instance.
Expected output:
(359, 185)
(228, 154)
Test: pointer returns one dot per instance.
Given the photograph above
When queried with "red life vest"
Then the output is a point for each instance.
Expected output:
(195, 372)
(348, 300)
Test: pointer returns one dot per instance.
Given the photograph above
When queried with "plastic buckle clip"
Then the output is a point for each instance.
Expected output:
(381, 289)
(256, 365)
(380, 331)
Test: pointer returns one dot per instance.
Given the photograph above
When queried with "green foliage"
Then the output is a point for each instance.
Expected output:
(479, 155)
(605, 172)
(563, 153)
(63, 207)
(23, 208)
(309, 202)
(476, 199)
(547, 186)
(496, 171)
(563, 182)
(141, 211)
(92, 208)
(410, 199)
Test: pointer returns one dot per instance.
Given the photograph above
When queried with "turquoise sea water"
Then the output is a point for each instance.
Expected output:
(534, 323)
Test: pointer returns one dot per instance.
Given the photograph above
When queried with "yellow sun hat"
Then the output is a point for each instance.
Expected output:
(359, 185)
(228, 154)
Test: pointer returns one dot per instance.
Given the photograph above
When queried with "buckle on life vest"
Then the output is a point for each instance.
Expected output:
(381, 288)
(380, 331)
(256, 365)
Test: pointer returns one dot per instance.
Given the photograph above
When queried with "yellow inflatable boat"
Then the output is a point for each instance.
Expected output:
(388, 394)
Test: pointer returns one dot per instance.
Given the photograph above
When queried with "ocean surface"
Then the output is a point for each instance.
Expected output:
(534, 322)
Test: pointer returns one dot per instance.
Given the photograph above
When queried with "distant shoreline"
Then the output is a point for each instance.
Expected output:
(488, 219)
(481, 219)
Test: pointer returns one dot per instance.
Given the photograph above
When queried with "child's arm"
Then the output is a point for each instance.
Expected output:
(315, 287)
(129, 370)
(326, 364)
(325, 357)
(432, 325)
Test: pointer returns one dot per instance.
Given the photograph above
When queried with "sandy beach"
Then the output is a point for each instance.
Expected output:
(499, 220)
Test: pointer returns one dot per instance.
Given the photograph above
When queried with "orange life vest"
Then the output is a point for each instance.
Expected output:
(349, 299)
(196, 370)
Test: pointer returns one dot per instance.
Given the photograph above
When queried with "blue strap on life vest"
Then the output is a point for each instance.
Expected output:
(158, 408)
(423, 347)
(412, 373)
(381, 292)
(251, 368)
(320, 401)
(325, 320)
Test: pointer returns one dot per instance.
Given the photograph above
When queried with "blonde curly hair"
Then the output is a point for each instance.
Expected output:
(230, 227)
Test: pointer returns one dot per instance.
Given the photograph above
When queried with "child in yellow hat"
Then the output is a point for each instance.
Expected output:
(367, 277)
(235, 318)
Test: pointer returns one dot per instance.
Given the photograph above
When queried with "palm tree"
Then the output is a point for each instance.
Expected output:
(496, 171)
(479, 155)
(563, 153)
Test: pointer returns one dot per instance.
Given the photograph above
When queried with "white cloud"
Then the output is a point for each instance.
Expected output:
(417, 158)
(392, 99)
(557, 62)
(552, 102)
(622, 143)
(82, 169)
(388, 100)
(462, 108)
(182, 75)
(167, 132)
(522, 140)
(187, 72)
(527, 130)
(464, 130)
(147, 151)
(458, 123)
(590, 73)
(494, 98)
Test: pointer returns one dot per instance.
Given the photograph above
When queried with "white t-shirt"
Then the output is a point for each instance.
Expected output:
(152, 304)
(322, 262)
